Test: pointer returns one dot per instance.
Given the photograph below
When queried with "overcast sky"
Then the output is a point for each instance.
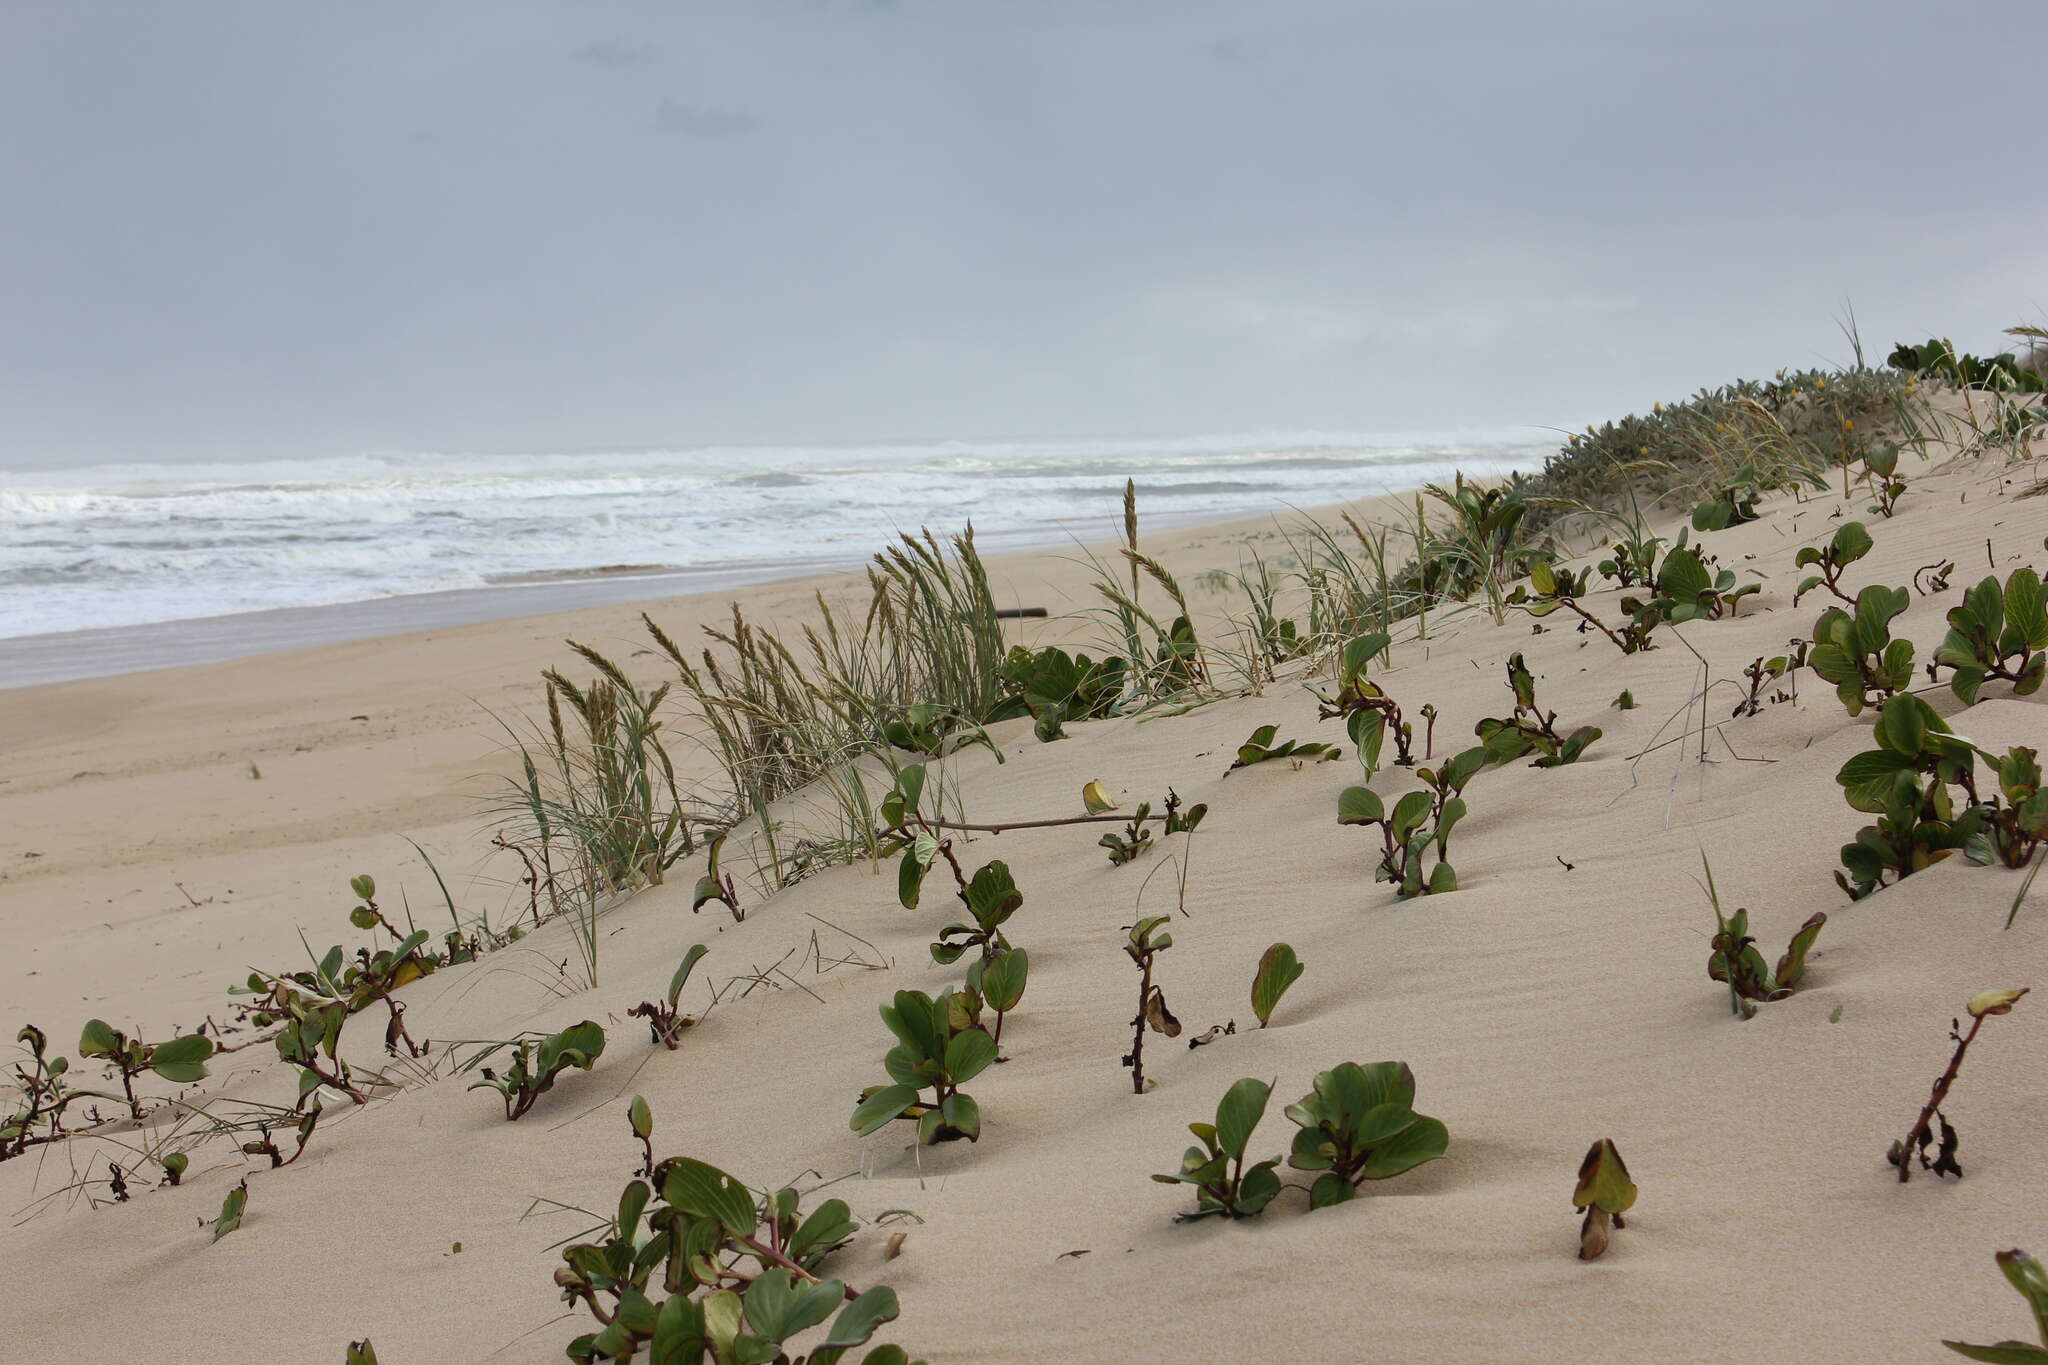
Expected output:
(280, 228)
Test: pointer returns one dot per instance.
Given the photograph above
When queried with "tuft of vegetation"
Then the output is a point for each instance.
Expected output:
(1530, 729)
(695, 1265)
(2026, 1275)
(991, 897)
(1419, 821)
(1360, 1124)
(1997, 634)
(665, 1019)
(1057, 687)
(1856, 652)
(940, 1046)
(1735, 962)
(1939, 360)
(1135, 838)
(1905, 783)
(535, 1064)
(1850, 542)
(1278, 969)
(935, 730)
(1265, 746)
(180, 1060)
(1370, 715)
(41, 1094)
(1922, 1134)
(1223, 1184)
(1606, 1193)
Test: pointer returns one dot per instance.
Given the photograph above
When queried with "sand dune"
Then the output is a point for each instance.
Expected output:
(1559, 997)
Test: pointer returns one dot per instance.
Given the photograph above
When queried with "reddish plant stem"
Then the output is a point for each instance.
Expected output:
(1941, 1087)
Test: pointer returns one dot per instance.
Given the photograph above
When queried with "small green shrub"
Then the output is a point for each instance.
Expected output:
(1922, 1135)
(1905, 783)
(665, 1019)
(1881, 469)
(536, 1062)
(1530, 729)
(991, 898)
(1419, 821)
(2016, 821)
(1370, 715)
(695, 1265)
(1262, 747)
(935, 730)
(1278, 969)
(1135, 838)
(1686, 591)
(1736, 962)
(1360, 1124)
(2025, 1274)
(1733, 503)
(1997, 634)
(1762, 673)
(1939, 360)
(940, 1046)
(1850, 542)
(1548, 591)
(1856, 652)
(1223, 1185)
(1056, 687)
(41, 1094)
(180, 1060)
(1605, 1192)
(1000, 982)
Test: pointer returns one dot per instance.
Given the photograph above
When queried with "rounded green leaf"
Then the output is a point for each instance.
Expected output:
(1239, 1112)
(707, 1192)
(880, 1108)
(968, 1055)
(1423, 1140)
(1359, 806)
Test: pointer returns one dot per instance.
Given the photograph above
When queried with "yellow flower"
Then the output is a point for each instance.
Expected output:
(1848, 424)
(1820, 383)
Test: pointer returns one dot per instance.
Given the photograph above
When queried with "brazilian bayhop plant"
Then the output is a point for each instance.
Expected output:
(1530, 729)
(695, 1266)
(1905, 783)
(940, 1046)
(41, 1095)
(1856, 651)
(1850, 542)
(1997, 634)
(1360, 1124)
(1265, 745)
(1223, 1184)
(180, 1060)
(1370, 715)
(665, 1019)
(991, 897)
(1419, 821)
(536, 1063)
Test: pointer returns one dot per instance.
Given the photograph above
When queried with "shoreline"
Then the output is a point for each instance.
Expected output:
(95, 652)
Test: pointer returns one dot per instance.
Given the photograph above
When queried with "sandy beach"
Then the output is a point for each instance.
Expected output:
(163, 833)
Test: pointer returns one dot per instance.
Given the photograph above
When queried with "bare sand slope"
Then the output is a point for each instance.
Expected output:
(1558, 998)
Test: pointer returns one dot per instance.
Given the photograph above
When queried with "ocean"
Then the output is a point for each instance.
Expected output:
(98, 548)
